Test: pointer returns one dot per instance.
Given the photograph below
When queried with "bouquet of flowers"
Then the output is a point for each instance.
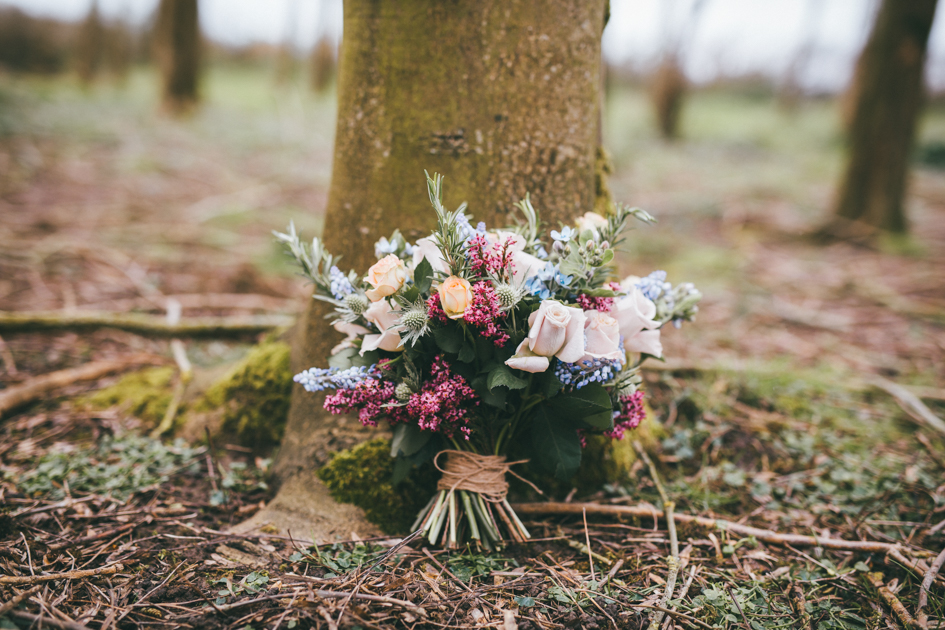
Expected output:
(472, 343)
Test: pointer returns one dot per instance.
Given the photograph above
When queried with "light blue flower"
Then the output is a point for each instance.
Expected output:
(547, 272)
(562, 279)
(535, 286)
(340, 286)
(383, 247)
(320, 379)
(564, 235)
(541, 253)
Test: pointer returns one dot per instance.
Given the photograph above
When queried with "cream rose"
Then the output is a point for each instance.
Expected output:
(634, 314)
(386, 276)
(527, 361)
(426, 248)
(384, 315)
(591, 221)
(455, 296)
(602, 336)
(524, 266)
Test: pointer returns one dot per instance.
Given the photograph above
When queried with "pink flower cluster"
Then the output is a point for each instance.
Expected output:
(602, 304)
(435, 309)
(444, 401)
(368, 397)
(485, 257)
(483, 312)
(441, 405)
(630, 415)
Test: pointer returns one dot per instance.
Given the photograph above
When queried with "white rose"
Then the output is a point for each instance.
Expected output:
(426, 248)
(591, 221)
(353, 331)
(634, 314)
(379, 314)
(602, 335)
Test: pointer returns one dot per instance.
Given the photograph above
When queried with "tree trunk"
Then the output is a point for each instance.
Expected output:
(323, 64)
(177, 41)
(888, 102)
(89, 47)
(502, 98)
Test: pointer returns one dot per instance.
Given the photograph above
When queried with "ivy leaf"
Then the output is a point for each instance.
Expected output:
(555, 442)
(503, 376)
(449, 338)
(423, 275)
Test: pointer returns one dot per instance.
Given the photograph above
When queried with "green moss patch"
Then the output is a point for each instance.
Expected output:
(362, 476)
(254, 397)
(144, 394)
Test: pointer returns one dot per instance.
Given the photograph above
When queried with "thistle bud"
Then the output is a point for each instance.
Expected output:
(357, 303)
(414, 320)
(403, 392)
(508, 296)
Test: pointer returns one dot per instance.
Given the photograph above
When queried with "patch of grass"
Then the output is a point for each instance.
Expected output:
(116, 466)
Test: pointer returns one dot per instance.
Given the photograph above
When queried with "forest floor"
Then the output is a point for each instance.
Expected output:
(789, 405)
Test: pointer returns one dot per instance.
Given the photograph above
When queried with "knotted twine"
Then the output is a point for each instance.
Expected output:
(482, 474)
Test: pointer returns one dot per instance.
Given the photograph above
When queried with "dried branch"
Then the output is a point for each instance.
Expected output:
(876, 580)
(764, 535)
(910, 403)
(926, 585)
(68, 575)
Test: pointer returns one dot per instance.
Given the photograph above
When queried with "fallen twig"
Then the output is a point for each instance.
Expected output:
(924, 589)
(68, 575)
(764, 535)
(36, 387)
(42, 621)
(148, 325)
(876, 580)
(17, 599)
(910, 403)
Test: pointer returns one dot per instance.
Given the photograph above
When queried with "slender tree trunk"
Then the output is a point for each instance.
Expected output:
(177, 41)
(888, 102)
(323, 64)
(501, 97)
(90, 46)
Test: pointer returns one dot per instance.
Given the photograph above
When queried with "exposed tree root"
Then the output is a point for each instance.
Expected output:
(32, 389)
(147, 325)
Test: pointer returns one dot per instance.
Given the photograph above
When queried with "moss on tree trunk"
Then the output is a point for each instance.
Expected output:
(502, 98)
(888, 92)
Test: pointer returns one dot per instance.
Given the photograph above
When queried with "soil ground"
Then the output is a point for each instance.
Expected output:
(768, 408)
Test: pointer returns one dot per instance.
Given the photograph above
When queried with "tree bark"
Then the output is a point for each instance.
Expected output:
(888, 102)
(502, 98)
(178, 53)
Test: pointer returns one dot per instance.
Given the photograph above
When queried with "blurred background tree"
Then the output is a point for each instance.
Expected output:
(888, 93)
(177, 49)
(90, 46)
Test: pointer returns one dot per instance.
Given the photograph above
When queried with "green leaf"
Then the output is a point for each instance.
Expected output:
(555, 443)
(423, 275)
(504, 376)
(344, 359)
(467, 353)
(524, 602)
(601, 292)
(449, 338)
(411, 294)
(590, 404)
(408, 439)
(368, 359)
(608, 256)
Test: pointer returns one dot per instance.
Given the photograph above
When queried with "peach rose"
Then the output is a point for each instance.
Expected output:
(386, 276)
(455, 296)
(591, 221)
(602, 336)
(383, 315)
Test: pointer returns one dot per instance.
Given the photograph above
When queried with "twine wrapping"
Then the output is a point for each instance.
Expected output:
(482, 474)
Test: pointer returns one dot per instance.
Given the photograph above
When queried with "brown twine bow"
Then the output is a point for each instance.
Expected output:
(482, 474)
